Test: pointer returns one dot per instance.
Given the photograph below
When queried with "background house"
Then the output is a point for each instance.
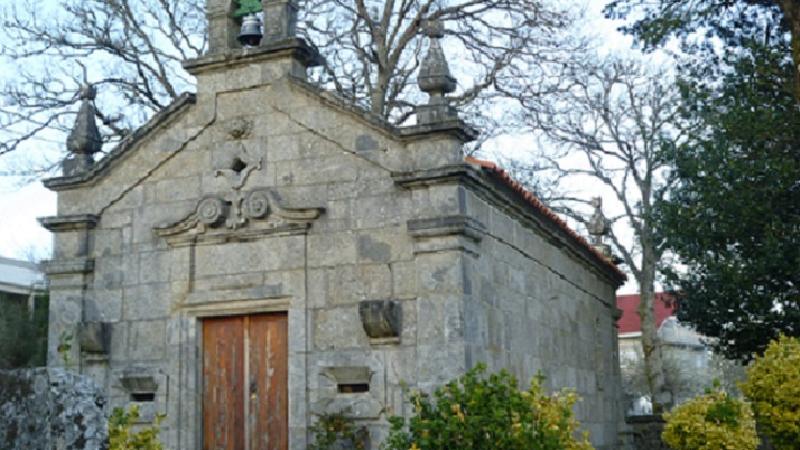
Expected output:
(689, 366)
(20, 280)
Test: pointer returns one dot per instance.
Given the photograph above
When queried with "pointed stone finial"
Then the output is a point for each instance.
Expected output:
(84, 140)
(435, 78)
(598, 227)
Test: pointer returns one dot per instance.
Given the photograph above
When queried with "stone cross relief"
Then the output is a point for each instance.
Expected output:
(236, 175)
(236, 208)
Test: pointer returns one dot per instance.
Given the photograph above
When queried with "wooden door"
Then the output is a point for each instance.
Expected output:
(245, 383)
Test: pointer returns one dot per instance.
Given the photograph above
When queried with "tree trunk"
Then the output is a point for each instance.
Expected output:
(791, 9)
(650, 346)
(378, 96)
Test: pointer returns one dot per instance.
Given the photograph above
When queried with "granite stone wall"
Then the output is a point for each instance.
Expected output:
(50, 410)
(532, 309)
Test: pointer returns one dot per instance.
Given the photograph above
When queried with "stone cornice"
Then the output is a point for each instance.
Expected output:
(446, 226)
(294, 47)
(68, 266)
(455, 173)
(455, 128)
(497, 193)
(130, 142)
(75, 222)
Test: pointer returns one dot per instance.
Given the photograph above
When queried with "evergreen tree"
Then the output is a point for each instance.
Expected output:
(733, 215)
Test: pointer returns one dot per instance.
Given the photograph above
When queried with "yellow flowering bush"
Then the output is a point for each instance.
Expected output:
(477, 411)
(714, 421)
(122, 437)
(773, 387)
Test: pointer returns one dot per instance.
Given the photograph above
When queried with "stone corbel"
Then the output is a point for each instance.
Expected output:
(94, 337)
(253, 215)
(382, 320)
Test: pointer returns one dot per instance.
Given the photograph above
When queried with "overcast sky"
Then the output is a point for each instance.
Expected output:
(21, 202)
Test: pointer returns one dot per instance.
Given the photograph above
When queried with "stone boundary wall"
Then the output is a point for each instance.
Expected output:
(50, 409)
(644, 433)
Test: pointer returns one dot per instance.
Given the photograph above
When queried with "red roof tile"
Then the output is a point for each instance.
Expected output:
(543, 210)
(663, 307)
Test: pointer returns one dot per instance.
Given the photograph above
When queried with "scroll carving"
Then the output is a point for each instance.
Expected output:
(246, 216)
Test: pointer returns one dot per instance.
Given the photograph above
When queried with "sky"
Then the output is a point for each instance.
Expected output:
(23, 201)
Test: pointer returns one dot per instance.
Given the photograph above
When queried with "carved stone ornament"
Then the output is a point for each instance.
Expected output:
(243, 217)
(598, 225)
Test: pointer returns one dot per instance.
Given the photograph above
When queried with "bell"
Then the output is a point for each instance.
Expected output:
(251, 31)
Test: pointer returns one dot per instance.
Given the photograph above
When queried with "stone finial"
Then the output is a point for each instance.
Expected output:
(280, 20)
(84, 140)
(435, 78)
(598, 227)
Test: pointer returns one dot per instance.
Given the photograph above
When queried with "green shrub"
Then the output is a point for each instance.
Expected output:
(773, 386)
(23, 336)
(714, 421)
(480, 412)
(334, 429)
(122, 437)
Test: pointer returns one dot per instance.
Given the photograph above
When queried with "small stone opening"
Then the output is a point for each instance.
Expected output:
(143, 396)
(238, 165)
(352, 388)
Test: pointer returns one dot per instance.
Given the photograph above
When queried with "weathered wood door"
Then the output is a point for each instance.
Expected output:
(245, 391)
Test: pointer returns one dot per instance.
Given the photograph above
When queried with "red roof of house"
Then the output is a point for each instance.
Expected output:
(663, 307)
(537, 204)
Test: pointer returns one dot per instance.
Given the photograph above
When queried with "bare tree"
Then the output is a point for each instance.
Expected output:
(611, 128)
(503, 49)
(132, 50)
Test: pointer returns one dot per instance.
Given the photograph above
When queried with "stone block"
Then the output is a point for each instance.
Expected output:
(378, 212)
(104, 305)
(336, 328)
(108, 241)
(317, 288)
(351, 284)
(404, 279)
(146, 301)
(440, 272)
(154, 267)
(147, 340)
(174, 189)
(277, 253)
(331, 249)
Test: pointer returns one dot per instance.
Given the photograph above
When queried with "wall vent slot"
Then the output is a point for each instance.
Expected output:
(143, 396)
(353, 388)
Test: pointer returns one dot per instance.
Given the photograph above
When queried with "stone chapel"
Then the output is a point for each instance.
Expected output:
(263, 252)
